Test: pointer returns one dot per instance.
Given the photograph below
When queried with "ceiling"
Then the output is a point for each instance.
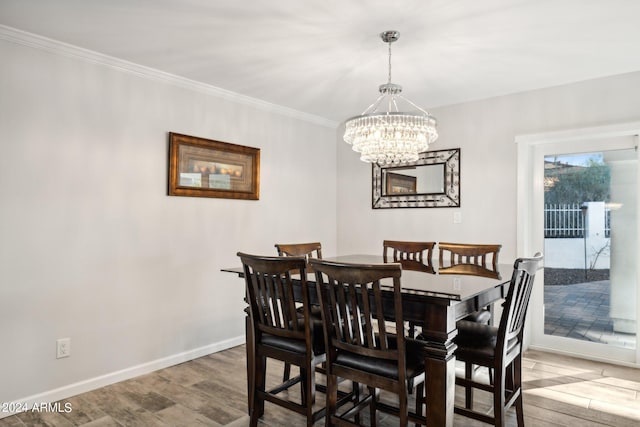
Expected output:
(324, 57)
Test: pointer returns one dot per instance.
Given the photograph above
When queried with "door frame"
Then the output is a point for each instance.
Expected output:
(530, 225)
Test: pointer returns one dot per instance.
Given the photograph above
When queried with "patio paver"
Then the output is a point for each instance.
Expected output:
(581, 311)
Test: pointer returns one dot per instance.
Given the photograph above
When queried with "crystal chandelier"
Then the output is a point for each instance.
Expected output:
(390, 136)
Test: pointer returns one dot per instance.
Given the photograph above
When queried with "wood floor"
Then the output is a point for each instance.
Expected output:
(210, 391)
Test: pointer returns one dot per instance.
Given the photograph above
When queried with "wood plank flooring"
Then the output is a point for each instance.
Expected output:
(211, 391)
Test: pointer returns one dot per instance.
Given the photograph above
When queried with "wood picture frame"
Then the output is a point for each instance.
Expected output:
(200, 167)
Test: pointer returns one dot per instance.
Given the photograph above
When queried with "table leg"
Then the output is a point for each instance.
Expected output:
(440, 386)
(440, 366)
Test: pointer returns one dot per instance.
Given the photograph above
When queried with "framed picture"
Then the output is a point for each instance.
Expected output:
(399, 183)
(201, 167)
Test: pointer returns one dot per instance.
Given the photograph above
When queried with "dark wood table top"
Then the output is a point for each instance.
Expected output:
(448, 284)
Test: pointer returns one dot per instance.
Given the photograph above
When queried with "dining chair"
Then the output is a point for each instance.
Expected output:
(281, 333)
(499, 349)
(412, 255)
(470, 259)
(305, 250)
(361, 349)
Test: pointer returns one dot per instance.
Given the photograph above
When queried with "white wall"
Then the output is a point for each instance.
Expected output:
(570, 253)
(91, 246)
(485, 131)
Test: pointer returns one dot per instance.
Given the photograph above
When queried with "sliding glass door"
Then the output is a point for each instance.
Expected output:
(590, 229)
(582, 211)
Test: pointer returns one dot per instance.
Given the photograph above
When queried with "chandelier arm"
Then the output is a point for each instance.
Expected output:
(414, 105)
(374, 105)
(395, 104)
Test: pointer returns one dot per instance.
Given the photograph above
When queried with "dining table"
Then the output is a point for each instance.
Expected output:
(434, 299)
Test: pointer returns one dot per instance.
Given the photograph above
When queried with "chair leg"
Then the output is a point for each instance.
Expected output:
(499, 398)
(357, 392)
(420, 400)
(287, 372)
(517, 386)
(375, 394)
(468, 390)
(403, 407)
(519, 411)
(250, 353)
(308, 393)
(304, 384)
(257, 407)
(332, 399)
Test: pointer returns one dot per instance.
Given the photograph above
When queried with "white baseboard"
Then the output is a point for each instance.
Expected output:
(586, 355)
(114, 377)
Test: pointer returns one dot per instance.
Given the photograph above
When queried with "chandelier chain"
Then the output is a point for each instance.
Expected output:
(389, 62)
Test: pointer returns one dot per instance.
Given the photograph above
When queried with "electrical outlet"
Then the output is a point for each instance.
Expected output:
(63, 348)
(457, 285)
(457, 217)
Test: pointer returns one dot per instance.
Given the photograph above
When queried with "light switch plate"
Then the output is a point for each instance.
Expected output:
(63, 348)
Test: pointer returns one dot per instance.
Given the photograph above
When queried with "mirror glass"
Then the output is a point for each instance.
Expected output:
(432, 181)
(425, 179)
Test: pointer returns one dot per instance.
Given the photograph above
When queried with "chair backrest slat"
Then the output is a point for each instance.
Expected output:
(354, 316)
(271, 291)
(365, 316)
(344, 313)
(380, 315)
(258, 290)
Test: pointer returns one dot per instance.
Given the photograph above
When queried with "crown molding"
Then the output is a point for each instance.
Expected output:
(60, 48)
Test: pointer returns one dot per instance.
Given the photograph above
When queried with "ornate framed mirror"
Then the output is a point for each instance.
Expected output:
(433, 181)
